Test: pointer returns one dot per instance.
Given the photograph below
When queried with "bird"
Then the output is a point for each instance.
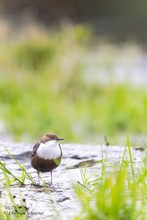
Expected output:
(46, 154)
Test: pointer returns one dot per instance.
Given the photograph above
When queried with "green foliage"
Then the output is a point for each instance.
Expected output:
(43, 88)
(9, 176)
(18, 211)
(117, 195)
(34, 55)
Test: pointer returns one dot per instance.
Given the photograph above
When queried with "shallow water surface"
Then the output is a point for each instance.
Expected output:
(58, 201)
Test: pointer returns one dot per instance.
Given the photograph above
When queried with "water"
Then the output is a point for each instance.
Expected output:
(58, 201)
(119, 64)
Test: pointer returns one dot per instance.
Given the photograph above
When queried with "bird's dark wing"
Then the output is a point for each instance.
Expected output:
(35, 149)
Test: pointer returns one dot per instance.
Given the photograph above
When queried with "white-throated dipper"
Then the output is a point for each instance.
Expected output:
(46, 154)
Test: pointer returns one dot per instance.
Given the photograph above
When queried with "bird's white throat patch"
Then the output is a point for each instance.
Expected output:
(48, 151)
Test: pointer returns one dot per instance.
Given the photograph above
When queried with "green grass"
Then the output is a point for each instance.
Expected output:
(10, 177)
(17, 208)
(43, 88)
(17, 211)
(117, 195)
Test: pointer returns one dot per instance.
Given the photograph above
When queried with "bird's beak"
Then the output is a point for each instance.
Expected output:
(60, 139)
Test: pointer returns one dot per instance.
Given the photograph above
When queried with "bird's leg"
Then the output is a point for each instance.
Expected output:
(39, 177)
(51, 178)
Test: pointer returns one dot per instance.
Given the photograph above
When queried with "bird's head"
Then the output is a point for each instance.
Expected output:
(50, 137)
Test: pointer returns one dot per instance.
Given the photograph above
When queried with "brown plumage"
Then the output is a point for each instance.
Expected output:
(45, 165)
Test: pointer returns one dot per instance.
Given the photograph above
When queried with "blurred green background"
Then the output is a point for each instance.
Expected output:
(76, 69)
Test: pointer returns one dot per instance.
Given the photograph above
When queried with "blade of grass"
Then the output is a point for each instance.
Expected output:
(6, 171)
(131, 159)
(123, 161)
(21, 166)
